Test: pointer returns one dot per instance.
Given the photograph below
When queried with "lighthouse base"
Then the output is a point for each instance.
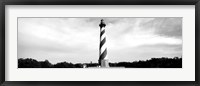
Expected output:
(104, 63)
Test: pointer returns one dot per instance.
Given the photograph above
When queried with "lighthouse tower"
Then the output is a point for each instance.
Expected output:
(103, 59)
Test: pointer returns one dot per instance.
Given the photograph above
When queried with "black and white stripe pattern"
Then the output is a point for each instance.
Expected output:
(102, 48)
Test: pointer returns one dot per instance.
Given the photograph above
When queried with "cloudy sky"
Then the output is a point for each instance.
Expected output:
(77, 39)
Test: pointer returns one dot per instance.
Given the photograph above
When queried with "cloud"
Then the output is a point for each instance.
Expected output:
(77, 39)
(134, 32)
(145, 52)
(171, 27)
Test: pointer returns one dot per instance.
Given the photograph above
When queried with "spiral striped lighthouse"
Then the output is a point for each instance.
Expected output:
(103, 60)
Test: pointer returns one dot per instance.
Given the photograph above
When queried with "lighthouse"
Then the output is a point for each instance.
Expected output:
(103, 59)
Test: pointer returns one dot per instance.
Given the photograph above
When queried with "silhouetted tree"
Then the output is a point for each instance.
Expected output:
(46, 64)
(79, 65)
(64, 65)
(163, 62)
(28, 63)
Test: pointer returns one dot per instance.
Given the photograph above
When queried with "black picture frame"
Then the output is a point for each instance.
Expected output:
(99, 2)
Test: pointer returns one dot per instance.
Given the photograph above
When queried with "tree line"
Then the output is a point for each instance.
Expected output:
(163, 62)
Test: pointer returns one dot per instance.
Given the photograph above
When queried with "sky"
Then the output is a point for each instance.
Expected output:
(76, 40)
